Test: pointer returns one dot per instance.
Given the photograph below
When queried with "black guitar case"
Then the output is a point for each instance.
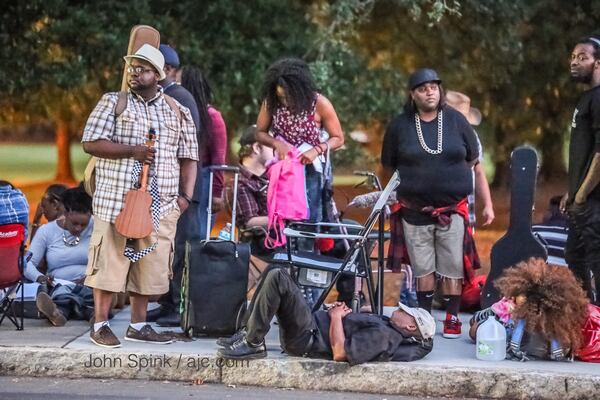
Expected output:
(518, 243)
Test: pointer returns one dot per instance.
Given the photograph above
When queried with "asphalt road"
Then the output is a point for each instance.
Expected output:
(26, 388)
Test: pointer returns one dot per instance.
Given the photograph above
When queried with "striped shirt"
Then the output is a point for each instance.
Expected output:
(175, 140)
(554, 238)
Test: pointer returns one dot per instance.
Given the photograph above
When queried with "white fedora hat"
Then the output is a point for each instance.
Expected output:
(152, 55)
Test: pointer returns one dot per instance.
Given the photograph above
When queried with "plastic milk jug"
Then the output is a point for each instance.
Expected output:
(491, 340)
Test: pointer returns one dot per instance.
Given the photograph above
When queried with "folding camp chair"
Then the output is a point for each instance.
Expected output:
(12, 245)
(322, 271)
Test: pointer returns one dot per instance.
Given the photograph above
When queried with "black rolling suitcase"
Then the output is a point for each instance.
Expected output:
(215, 278)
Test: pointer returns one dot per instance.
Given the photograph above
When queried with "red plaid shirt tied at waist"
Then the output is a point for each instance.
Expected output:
(398, 254)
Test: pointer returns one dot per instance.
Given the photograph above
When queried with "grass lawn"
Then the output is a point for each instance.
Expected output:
(25, 164)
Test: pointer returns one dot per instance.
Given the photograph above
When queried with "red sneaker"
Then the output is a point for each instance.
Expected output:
(452, 327)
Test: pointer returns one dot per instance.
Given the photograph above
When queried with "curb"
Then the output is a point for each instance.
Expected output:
(382, 378)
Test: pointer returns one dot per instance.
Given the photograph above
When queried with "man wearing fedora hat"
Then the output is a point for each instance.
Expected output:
(117, 264)
(433, 148)
(461, 102)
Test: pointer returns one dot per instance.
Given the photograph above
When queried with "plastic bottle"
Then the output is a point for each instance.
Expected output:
(491, 340)
(225, 233)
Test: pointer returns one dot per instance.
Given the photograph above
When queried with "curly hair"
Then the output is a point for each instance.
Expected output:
(555, 305)
(294, 76)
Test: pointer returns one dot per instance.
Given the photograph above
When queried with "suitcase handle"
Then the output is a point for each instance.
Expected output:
(225, 168)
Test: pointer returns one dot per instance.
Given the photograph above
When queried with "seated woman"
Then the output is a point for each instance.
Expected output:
(543, 310)
(63, 243)
(50, 207)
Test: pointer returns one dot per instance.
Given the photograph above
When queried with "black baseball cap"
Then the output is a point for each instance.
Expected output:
(422, 76)
(249, 136)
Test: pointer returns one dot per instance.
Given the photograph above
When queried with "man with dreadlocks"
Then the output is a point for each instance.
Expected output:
(543, 310)
(583, 198)
(293, 110)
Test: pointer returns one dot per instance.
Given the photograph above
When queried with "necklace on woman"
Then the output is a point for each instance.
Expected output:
(70, 243)
(422, 140)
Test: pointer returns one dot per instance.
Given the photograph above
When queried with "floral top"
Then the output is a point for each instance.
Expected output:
(296, 128)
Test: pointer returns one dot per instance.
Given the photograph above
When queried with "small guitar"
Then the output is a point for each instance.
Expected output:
(518, 243)
(135, 220)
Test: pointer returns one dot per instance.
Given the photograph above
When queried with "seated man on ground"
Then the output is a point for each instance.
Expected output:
(337, 334)
(543, 311)
(64, 243)
(252, 189)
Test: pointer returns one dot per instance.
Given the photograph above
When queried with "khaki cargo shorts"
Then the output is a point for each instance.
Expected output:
(108, 269)
(436, 248)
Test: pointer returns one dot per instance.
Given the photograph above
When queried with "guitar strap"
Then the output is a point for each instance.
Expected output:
(130, 252)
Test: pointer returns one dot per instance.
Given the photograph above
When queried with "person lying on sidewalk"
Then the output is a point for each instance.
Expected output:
(543, 311)
(63, 244)
(337, 334)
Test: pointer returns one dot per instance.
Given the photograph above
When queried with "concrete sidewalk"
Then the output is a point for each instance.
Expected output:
(450, 370)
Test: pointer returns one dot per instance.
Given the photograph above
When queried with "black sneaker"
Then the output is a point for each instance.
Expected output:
(146, 335)
(228, 341)
(157, 313)
(242, 350)
(171, 320)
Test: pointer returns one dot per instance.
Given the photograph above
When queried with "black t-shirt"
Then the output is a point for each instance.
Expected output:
(585, 140)
(430, 179)
(371, 337)
(185, 98)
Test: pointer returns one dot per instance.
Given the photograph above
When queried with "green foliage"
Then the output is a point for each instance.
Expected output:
(63, 54)
(509, 57)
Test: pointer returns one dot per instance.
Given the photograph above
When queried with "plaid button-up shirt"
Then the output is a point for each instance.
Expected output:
(175, 139)
(252, 196)
(14, 208)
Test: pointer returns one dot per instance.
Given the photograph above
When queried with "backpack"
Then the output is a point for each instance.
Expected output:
(286, 197)
(89, 175)
(590, 350)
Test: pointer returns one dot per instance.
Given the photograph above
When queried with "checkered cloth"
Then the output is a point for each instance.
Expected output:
(175, 140)
(130, 251)
(398, 254)
(252, 196)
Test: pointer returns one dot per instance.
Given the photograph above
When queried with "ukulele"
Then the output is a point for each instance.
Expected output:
(135, 220)
(518, 243)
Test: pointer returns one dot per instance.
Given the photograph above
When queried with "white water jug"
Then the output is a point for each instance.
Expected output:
(491, 340)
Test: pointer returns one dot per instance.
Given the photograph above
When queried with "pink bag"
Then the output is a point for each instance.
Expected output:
(286, 197)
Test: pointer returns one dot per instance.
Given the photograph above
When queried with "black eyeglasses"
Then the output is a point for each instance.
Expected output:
(138, 69)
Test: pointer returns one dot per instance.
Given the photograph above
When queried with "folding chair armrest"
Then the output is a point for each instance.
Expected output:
(327, 224)
(293, 233)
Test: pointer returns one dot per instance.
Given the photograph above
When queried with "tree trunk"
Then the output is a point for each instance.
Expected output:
(64, 171)
(501, 158)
